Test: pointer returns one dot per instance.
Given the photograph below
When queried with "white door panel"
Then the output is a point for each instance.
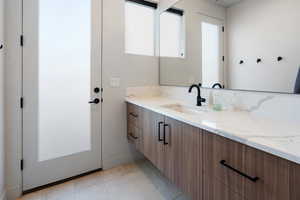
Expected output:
(212, 51)
(61, 68)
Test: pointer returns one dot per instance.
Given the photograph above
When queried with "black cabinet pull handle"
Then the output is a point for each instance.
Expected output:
(253, 179)
(159, 135)
(133, 115)
(165, 142)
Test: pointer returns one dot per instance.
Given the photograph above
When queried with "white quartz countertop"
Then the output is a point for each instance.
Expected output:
(275, 137)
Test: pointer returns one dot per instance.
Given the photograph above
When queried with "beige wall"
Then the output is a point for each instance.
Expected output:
(2, 160)
(265, 29)
(132, 70)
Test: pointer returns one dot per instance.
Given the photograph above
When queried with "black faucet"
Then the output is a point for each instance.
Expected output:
(200, 100)
(217, 85)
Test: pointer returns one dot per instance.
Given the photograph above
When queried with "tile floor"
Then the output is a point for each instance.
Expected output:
(138, 181)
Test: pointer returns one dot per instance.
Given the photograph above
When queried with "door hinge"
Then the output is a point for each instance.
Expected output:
(22, 40)
(22, 165)
(101, 100)
(101, 89)
(223, 58)
(21, 102)
(223, 29)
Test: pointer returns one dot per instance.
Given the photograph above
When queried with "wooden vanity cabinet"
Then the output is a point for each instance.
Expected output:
(207, 166)
(134, 126)
(151, 124)
(183, 157)
(214, 189)
(294, 181)
(274, 173)
(248, 172)
(175, 149)
(217, 149)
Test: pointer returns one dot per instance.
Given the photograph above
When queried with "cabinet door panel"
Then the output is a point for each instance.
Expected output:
(172, 150)
(183, 157)
(152, 148)
(191, 157)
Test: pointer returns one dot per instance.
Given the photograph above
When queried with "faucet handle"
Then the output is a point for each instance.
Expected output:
(200, 100)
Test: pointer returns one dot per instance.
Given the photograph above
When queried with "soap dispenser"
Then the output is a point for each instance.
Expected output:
(217, 105)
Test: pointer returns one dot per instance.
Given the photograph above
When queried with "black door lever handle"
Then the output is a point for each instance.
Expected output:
(95, 101)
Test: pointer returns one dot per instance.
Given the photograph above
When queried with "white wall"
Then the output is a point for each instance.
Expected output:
(132, 71)
(265, 29)
(184, 72)
(165, 4)
(2, 159)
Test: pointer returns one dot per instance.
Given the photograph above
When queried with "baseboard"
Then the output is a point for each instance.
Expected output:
(3, 195)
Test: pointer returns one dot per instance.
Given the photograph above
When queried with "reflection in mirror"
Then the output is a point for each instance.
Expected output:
(232, 44)
(171, 34)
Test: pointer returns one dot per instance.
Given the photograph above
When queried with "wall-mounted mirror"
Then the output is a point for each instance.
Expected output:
(231, 44)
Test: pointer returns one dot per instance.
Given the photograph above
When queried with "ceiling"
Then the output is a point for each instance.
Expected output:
(226, 3)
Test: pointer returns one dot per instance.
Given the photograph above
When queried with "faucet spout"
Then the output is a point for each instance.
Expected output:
(200, 100)
(195, 86)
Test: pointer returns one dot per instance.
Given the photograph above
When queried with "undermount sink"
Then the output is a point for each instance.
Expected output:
(186, 109)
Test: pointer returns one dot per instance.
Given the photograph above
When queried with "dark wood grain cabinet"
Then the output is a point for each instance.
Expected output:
(273, 173)
(151, 125)
(207, 166)
(217, 149)
(175, 149)
(214, 189)
(183, 157)
(134, 126)
(294, 181)
(248, 172)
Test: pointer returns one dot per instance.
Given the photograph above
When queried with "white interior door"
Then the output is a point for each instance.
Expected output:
(212, 33)
(61, 69)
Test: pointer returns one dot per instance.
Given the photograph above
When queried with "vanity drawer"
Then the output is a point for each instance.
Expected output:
(219, 149)
(133, 114)
(249, 172)
(134, 128)
(133, 132)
